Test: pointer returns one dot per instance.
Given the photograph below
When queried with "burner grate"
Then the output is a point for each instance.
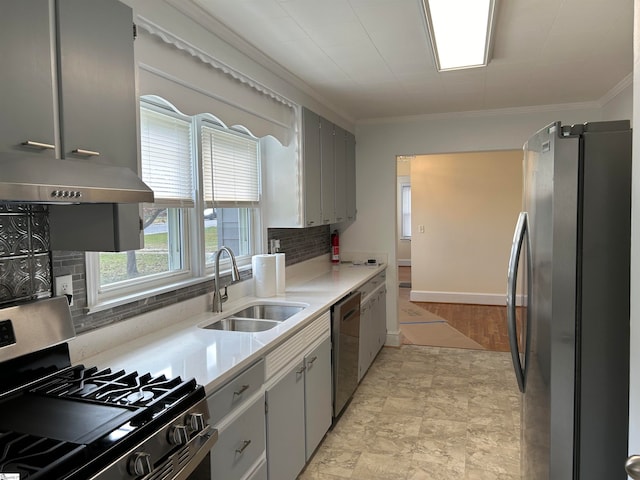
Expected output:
(34, 457)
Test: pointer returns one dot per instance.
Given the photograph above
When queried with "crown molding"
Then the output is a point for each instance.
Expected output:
(616, 90)
(482, 113)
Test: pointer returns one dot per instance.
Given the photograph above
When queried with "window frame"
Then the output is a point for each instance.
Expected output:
(405, 211)
(195, 269)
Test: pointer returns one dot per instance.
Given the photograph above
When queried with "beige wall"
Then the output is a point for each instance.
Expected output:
(468, 204)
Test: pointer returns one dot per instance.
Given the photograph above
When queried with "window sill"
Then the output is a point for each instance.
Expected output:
(125, 299)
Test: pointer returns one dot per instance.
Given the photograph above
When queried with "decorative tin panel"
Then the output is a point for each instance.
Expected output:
(25, 265)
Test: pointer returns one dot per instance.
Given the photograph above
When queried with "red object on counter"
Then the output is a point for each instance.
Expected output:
(335, 247)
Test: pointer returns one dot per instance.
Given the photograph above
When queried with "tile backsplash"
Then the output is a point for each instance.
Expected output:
(25, 263)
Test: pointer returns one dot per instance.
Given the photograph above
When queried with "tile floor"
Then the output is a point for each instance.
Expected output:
(427, 413)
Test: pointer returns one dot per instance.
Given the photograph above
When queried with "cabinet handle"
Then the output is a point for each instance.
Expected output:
(45, 146)
(326, 220)
(339, 219)
(243, 389)
(301, 370)
(88, 153)
(244, 446)
(312, 359)
(310, 222)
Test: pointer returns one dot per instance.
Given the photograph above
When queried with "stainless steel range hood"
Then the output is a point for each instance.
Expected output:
(34, 179)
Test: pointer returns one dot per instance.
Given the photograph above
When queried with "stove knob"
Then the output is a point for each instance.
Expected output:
(178, 435)
(195, 421)
(140, 464)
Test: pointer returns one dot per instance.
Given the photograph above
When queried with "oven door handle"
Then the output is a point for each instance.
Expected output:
(209, 436)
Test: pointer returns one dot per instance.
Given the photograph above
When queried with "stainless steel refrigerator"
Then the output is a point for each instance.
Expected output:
(568, 301)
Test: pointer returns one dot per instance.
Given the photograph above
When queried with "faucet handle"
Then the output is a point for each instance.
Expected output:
(224, 297)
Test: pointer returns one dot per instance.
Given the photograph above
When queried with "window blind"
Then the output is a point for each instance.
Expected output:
(230, 168)
(167, 167)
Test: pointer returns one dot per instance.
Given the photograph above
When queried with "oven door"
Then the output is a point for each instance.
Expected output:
(203, 470)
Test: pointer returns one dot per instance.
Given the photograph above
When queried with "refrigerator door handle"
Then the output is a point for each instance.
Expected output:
(512, 281)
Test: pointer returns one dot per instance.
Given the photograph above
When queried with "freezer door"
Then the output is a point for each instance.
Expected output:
(543, 155)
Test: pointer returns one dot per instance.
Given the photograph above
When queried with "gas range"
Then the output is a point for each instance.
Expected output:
(77, 423)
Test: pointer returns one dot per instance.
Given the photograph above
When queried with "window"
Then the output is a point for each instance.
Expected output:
(405, 200)
(231, 186)
(226, 170)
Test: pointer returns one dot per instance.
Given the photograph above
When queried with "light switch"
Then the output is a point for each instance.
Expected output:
(421, 228)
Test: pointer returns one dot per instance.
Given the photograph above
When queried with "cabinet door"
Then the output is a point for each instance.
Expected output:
(240, 444)
(97, 81)
(340, 160)
(364, 349)
(26, 76)
(285, 426)
(98, 117)
(317, 395)
(312, 168)
(327, 171)
(380, 320)
(350, 168)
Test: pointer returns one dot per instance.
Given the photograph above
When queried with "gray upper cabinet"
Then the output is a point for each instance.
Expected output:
(312, 168)
(327, 165)
(97, 81)
(26, 77)
(315, 187)
(340, 162)
(97, 118)
(350, 169)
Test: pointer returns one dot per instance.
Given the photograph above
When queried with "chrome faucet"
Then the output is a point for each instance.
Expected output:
(218, 298)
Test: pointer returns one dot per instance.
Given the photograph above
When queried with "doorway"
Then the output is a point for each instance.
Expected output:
(451, 281)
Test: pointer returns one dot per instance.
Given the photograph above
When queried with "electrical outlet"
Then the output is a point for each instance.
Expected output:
(64, 286)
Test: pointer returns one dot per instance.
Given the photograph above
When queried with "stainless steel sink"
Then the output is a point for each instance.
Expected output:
(255, 318)
(242, 325)
(268, 311)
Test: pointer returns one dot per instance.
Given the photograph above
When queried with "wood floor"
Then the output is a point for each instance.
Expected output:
(486, 324)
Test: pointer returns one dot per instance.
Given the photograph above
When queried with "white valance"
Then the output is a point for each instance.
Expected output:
(196, 83)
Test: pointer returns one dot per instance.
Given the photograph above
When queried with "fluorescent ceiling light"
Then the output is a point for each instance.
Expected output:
(461, 32)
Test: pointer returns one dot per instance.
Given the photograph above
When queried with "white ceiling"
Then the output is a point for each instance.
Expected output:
(372, 58)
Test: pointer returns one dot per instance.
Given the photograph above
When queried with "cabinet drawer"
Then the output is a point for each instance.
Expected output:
(240, 445)
(260, 473)
(233, 394)
(371, 285)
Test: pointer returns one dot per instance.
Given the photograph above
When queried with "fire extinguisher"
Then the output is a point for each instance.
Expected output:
(335, 247)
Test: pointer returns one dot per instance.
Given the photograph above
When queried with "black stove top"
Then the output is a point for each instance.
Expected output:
(64, 422)
(82, 415)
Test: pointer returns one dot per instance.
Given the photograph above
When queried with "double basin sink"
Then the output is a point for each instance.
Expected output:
(255, 318)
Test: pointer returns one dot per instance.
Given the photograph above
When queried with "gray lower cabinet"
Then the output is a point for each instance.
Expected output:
(240, 444)
(298, 408)
(237, 412)
(373, 324)
(285, 425)
(317, 396)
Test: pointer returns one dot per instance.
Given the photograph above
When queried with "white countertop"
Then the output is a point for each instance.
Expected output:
(182, 348)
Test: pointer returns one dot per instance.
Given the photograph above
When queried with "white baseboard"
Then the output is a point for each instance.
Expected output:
(393, 339)
(461, 297)
(404, 262)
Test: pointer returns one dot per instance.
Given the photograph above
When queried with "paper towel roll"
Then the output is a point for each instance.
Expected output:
(264, 275)
(280, 273)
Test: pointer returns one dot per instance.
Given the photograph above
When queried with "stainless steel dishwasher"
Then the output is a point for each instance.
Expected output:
(345, 335)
